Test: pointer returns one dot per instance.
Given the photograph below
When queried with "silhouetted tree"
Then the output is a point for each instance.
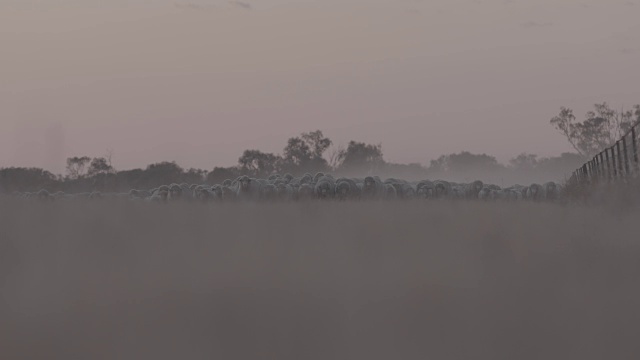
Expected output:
(258, 164)
(193, 176)
(162, 173)
(563, 164)
(524, 161)
(412, 171)
(305, 153)
(99, 166)
(465, 162)
(360, 157)
(296, 153)
(26, 179)
(601, 128)
(131, 179)
(76, 166)
(317, 143)
(220, 174)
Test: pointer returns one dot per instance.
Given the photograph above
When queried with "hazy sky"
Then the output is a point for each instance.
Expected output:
(198, 81)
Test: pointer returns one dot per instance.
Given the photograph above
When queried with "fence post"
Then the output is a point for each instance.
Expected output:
(578, 179)
(626, 156)
(586, 171)
(606, 156)
(620, 174)
(613, 162)
(602, 170)
(581, 175)
(635, 149)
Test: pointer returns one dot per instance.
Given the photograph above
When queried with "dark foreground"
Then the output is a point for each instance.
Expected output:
(318, 281)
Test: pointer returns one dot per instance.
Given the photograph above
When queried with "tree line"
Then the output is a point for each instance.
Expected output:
(305, 153)
(313, 152)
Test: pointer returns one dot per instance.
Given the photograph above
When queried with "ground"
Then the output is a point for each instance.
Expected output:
(368, 280)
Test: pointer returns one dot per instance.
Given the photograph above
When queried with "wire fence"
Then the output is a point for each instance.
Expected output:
(617, 162)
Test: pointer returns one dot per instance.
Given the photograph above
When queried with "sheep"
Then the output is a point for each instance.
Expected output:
(215, 193)
(347, 189)
(269, 192)
(305, 192)
(441, 189)
(319, 186)
(472, 190)
(325, 188)
(534, 192)
(407, 191)
(248, 188)
(96, 195)
(510, 194)
(390, 192)
(203, 193)
(59, 195)
(44, 195)
(404, 190)
(175, 192)
(551, 191)
(159, 196)
(372, 188)
(285, 192)
(139, 194)
(397, 184)
(228, 193)
(488, 193)
(306, 179)
(425, 189)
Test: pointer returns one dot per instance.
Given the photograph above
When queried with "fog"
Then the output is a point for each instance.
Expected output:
(367, 280)
(200, 81)
(101, 275)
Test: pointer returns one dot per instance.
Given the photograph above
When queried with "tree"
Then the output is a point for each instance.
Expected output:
(162, 173)
(465, 163)
(220, 174)
(132, 179)
(602, 127)
(360, 157)
(335, 157)
(317, 143)
(100, 166)
(258, 164)
(194, 176)
(297, 152)
(524, 161)
(305, 153)
(76, 166)
(26, 179)
(563, 164)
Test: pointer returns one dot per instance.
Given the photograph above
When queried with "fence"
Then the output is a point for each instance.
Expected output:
(617, 162)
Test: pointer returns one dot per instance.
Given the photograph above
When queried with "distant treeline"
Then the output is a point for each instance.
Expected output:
(310, 152)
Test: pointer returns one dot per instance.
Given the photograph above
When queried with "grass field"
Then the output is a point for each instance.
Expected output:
(439, 280)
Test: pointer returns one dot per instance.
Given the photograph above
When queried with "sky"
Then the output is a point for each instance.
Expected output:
(199, 81)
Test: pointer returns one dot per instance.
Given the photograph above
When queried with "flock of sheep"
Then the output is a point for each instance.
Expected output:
(320, 186)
